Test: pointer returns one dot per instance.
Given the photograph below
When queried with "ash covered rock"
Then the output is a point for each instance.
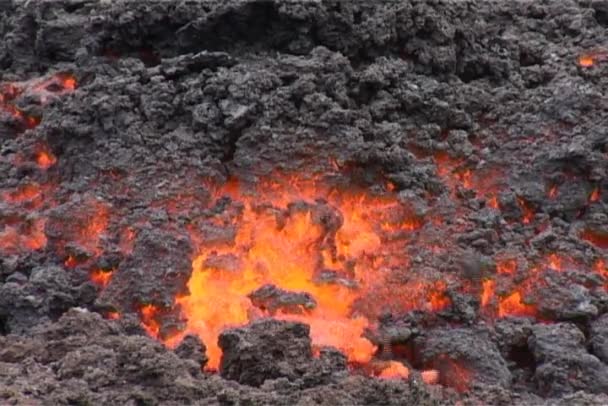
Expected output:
(266, 349)
(563, 363)
(463, 356)
(272, 299)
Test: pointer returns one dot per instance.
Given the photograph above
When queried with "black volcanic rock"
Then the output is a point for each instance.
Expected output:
(563, 363)
(599, 338)
(266, 349)
(474, 351)
(478, 116)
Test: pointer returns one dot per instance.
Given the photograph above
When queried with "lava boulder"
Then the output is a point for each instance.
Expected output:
(563, 364)
(265, 349)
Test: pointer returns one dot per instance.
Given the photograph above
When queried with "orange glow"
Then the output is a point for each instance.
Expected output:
(555, 262)
(507, 266)
(493, 202)
(453, 373)
(595, 195)
(597, 238)
(45, 159)
(395, 370)
(528, 211)
(552, 192)
(101, 277)
(437, 297)
(487, 293)
(22, 236)
(601, 267)
(296, 243)
(513, 305)
(586, 61)
(430, 376)
(25, 193)
(465, 177)
(68, 82)
(70, 262)
(148, 322)
(113, 315)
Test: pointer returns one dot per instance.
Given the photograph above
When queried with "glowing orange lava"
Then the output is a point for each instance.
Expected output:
(554, 262)
(395, 370)
(487, 293)
(101, 277)
(25, 235)
(493, 202)
(513, 305)
(528, 211)
(45, 158)
(430, 376)
(586, 61)
(506, 266)
(148, 322)
(339, 250)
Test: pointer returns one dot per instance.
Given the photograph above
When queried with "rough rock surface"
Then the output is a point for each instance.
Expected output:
(266, 349)
(564, 365)
(414, 94)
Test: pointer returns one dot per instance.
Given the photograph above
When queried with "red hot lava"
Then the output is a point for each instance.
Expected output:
(336, 249)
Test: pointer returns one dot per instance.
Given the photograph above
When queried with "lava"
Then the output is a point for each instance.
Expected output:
(589, 59)
(488, 292)
(338, 246)
(506, 266)
(513, 305)
(45, 158)
(148, 314)
(101, 277)
(24, 235)
(395, 370)
(528, 211)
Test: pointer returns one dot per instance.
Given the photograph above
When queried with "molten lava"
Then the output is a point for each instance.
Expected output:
(339, 247)
(513, 305)
(395, 370)
(101, 277)
(148, 319)
(45, 158)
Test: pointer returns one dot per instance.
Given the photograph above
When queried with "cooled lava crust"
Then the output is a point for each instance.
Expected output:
(303, 202)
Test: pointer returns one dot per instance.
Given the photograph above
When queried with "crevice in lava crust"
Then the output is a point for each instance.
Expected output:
(4, 330)
(522, 357)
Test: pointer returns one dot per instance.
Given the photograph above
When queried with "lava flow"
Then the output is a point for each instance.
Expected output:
(305, 253)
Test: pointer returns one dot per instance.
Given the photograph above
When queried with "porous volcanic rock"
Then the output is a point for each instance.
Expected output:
(266, 349)
(563, 363)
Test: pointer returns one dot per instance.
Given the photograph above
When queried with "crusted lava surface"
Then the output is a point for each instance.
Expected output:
(303, 202)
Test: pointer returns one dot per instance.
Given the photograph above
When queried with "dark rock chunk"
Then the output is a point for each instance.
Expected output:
(192, 348)
(463, 356)
(599, 338)
(272, 299)
(266, 349)
(563, 363)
